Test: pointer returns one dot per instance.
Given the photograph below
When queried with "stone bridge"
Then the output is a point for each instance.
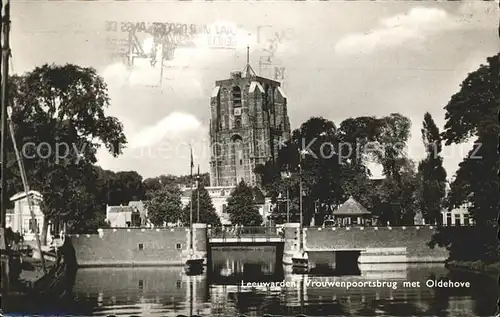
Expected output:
(245, 235)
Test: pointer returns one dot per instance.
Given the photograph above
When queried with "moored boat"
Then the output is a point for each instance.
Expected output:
(30, 279)
(194, 266)
(44, 276)
(300, 263)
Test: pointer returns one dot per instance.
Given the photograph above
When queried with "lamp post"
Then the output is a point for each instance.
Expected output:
(301, 153)
(198, 198)
(287, 204)
(286, 174)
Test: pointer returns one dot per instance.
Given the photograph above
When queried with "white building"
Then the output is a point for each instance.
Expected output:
(457, 217)
(121, 216)
(219, 196)
(19, 218)
(133, 215)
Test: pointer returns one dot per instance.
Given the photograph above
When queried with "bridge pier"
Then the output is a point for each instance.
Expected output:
(200, 243)
(292, 243)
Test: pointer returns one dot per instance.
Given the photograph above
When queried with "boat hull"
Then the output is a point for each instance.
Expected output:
(21, 284)
(194, 266)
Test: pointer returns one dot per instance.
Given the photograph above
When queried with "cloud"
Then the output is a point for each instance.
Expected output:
(175, 124)
(162, 147)
(414, 26)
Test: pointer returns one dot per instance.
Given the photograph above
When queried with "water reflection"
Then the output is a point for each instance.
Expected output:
(341, 263)
(231, 266)
(141, 291)
(169, 292)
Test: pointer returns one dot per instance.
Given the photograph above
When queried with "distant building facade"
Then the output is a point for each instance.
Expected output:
(219, 196)
(249, 120)
(19, 219)
(133, 215)
(457, 217)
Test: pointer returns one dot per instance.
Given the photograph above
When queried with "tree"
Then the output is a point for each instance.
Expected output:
(271, 180)
(398, 194)
(472, 112)
(85, 212)
(320, 168)
(397, 190)
(358, 137)
(336, 167)
(241, 207)
(151, 185)
(165, 206)
(356, 134)
(393, 138)
(432, 175)
(127, 186)
(64, 107)
(207, 209)
(276, 180)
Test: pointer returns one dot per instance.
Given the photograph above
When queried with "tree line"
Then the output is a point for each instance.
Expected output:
(333, 163)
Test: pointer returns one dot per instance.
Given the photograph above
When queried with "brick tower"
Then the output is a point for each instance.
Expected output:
(249, 119)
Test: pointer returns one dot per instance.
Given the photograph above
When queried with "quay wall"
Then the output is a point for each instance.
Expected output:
(376, 243)
(138, 246)
(171, 246)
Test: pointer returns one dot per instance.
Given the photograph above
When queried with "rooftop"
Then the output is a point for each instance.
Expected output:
(120, 209)
(217, 192)
(351, 208)
(247, 79)
(21, 195)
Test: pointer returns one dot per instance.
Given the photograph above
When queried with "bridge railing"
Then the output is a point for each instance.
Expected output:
(244, 232)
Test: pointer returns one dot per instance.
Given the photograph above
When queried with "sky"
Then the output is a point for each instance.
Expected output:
(340, 60)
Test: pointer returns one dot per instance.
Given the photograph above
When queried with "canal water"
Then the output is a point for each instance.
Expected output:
(222, 290)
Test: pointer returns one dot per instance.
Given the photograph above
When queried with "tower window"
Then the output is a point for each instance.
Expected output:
(237, 122)
(236, 96)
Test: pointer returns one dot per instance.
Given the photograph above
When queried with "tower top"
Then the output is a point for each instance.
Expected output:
(248, 71)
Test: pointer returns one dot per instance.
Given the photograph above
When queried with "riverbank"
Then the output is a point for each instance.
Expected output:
(475, 266)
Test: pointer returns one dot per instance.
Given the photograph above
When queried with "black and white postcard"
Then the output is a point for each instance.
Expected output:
(249, 158)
